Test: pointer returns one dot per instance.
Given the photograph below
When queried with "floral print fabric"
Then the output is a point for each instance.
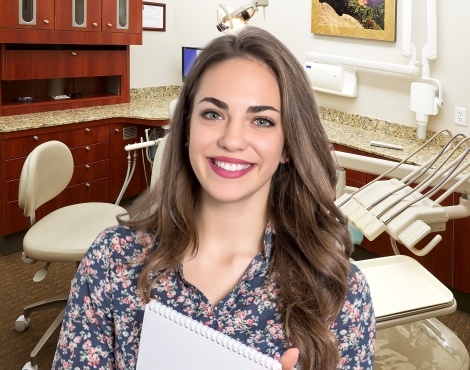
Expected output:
(102, 324)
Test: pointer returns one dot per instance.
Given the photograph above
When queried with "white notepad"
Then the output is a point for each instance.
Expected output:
(173, 341)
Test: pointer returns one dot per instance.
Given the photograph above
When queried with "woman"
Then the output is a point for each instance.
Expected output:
(241, 232)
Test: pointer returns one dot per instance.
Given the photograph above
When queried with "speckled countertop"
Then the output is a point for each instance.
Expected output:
(145, 104)
(152, 104)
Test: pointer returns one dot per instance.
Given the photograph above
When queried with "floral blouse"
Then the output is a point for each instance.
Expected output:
(103, 319)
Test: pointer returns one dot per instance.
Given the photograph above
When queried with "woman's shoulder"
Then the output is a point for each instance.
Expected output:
(123, 244)
(357, 282)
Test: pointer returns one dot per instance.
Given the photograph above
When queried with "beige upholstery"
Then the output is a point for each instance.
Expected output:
(63, 235)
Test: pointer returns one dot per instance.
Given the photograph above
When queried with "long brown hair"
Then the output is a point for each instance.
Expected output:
(312, 243)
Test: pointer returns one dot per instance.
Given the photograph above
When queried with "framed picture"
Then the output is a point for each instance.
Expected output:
(366, 19)
(153, 16)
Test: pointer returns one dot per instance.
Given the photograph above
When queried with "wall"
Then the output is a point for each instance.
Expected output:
(381, 95)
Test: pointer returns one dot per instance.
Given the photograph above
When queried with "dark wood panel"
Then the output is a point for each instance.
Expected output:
(86, 135)
(119, 163)
(22, 146)
(9, 15)
(89, 172)
(92, 191)
(462, 253)
(13, 168)
(16, 221)
(64, 63)
(64, 20)
(90, 153)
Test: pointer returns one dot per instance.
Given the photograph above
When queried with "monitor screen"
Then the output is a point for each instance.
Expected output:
(189, 55)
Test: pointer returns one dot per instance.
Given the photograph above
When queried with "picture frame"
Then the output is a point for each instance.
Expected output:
(347, 19)
(153, 16)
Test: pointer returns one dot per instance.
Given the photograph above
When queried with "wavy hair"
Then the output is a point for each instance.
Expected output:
(312, 244)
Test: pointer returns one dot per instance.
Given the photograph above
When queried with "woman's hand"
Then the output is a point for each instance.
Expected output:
(289, 359)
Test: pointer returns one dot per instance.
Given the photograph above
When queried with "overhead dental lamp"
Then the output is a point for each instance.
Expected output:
(231, 20)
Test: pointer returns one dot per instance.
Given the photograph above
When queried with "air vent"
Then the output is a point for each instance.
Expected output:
(129, 133)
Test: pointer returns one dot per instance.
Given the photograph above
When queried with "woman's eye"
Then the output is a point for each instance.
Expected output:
(211, 115)
(263, 122)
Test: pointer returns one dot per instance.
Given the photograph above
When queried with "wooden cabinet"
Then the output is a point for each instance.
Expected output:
(441, 260)
(90, 150)
(15, 151)
(122, 134)
(92, 21)
(99, 16)
(90, 75)
(100, 166)
(74, 48)
(27, 14)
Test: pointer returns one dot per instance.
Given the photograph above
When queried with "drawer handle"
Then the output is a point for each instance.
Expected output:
(88, 185)
(74, 53)
(95, 24)
(87, 166)
(87, 148)
(110, 25)
(46, 21)
(36, 138)
(87, 130)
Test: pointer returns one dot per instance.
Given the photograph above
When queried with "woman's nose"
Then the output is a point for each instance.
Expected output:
(233, 135)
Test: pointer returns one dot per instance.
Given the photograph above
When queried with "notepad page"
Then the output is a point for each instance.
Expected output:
(167, 345)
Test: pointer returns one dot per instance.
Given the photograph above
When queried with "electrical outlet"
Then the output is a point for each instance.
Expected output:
(460, 116)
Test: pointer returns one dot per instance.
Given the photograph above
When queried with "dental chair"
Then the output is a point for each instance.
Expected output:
(407, 298)
(63, 235)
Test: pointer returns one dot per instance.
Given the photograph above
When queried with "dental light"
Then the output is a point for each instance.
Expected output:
(231, 20)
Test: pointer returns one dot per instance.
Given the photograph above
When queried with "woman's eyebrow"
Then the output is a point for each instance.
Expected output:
(218, 103)
(261, 108)
(252, 109)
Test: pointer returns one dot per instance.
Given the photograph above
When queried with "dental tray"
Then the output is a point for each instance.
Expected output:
(404, 291)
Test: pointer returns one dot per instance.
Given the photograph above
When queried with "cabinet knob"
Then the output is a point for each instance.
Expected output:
(95, 24)
(74, 53)
(88, 185)
(87, 148)
(110, 25)
(116, 129)
(36, 138)
(87, 130)
(46, 21)
(87, 166)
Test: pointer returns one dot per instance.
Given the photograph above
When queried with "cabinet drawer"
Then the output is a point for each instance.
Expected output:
(16, 221)
(89, 172)
(92, 191)
(63, 63)
(13, 168)
(86, 135)
(22, 146)
(11, 189)
(90, 153)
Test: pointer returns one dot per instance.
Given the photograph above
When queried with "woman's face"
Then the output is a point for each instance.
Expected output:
(235, 139)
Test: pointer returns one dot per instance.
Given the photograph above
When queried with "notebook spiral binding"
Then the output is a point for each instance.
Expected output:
(214, 335)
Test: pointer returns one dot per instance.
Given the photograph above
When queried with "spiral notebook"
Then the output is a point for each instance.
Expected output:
(173, 341)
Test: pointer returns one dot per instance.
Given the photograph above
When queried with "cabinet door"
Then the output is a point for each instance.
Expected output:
(122, 16)
(122, 134)
(37, 14)
(78, 15)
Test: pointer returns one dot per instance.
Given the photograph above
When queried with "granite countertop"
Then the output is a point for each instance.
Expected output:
(152, 104)
(145, 104)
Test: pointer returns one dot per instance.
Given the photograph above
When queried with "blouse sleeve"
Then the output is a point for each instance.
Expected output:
(87, 334)
(355, 325)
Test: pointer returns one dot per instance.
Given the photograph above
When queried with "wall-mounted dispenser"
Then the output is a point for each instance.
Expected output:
(332, 79)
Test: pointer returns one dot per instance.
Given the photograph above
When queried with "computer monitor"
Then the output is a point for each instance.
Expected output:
(188, 56)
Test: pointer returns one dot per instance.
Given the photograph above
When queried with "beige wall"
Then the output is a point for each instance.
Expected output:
(380, 95)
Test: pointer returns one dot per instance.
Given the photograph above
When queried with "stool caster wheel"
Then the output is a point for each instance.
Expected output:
(21, 324)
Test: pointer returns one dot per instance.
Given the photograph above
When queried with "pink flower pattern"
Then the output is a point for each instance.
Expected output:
(102, 324)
